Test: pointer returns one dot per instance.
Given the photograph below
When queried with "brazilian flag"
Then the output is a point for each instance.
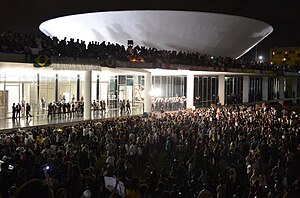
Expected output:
(41, 61)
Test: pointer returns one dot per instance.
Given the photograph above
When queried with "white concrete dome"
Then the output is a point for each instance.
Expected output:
(207, 33)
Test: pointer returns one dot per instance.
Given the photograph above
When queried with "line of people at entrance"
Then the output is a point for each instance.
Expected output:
(169, 104)
(99, 106)
(63, 109)
(17, 109)
(66, 109)
(125, 107)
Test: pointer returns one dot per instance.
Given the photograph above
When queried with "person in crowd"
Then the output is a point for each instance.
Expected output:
(18, 110)
(128, 109)
(103, 106)
(28, 109)
(35, 189)
(13, 108)
(23, 103)
(205, 193)
(94, 105)
(73, 98)
(122, 106)
(43, 102)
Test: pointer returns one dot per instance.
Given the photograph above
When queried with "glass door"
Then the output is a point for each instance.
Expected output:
(113, 93)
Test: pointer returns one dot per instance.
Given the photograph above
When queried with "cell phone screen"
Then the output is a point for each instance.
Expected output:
(46, 168)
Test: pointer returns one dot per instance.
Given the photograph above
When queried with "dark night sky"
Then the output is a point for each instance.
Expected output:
(284, 15)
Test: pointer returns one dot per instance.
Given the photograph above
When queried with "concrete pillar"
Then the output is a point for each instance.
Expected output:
(147, 100)
(295, 89)
(56, 87)
(221, 91)
(87, 94)
(246, 86)
(190, 91)
(78, 88)
(281, 87)
(98, 87)
(265, 90)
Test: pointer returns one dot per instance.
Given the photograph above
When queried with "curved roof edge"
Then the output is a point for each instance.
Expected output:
(211, 33)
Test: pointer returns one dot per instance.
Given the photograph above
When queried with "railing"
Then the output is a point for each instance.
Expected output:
(57, 60)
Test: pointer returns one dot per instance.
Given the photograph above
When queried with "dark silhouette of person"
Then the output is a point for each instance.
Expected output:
(34, 188)
(28, 110)
(14, 111)
(128, 110)
(18, 109)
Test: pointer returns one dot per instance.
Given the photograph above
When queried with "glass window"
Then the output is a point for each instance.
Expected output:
(157, 81)
(113, 84)
(196, 87)
(122, 80)
(201, 88)
(141, 80)
(129, 81)
(209, 89)
(205, 87)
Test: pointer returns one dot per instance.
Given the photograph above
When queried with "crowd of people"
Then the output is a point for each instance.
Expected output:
(125, 107)
(18, 109)
(63, 109)
(168, 104)
(11, 42)
(208, 152)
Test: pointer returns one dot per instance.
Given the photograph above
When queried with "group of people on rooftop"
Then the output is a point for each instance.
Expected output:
(208, 152)
(11, 42)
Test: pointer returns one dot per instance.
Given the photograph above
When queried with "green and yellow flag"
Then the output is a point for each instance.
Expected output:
(42, 61)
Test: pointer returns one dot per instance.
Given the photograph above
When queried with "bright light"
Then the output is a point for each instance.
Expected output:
(155, 92)
(211, 57)
(284, 59)
(260, 57)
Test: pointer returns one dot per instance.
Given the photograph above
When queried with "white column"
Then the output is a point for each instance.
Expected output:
(147, 99)
(246, 85)
(265, 89)
(87, 94)
(190, 91)
(295, 89)
(221, 91)
(281, 87)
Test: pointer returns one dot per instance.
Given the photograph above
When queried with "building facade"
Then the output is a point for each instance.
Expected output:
(142, 87)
